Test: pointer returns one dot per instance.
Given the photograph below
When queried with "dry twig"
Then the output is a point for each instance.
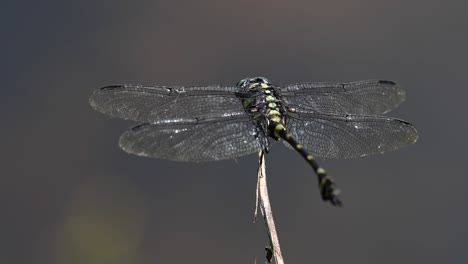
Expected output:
(265, 209)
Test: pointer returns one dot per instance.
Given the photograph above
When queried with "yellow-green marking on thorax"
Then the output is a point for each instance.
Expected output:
(253, 85)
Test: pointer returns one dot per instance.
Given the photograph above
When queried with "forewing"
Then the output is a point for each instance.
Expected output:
(349, 136)
(193, 140)
(370, 97)
(153, 103)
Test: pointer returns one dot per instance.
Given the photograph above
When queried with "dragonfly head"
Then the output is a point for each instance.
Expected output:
(248, 81)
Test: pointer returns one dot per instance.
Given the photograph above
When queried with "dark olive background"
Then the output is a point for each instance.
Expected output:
(69, 195)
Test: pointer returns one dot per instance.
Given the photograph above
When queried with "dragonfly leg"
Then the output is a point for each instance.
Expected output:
(328, 189)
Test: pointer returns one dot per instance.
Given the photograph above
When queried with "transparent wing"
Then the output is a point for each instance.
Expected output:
(349, 136)
(150, 104)
(371, 97)
(192, 140)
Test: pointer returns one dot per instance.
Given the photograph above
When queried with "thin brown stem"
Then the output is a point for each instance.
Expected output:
(265, 209)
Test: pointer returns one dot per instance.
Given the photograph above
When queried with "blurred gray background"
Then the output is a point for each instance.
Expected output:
(68, 194)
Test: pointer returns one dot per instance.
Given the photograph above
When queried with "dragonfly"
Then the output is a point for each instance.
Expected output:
(210, 123)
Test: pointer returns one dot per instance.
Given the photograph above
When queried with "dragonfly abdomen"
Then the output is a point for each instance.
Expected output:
(328, 188)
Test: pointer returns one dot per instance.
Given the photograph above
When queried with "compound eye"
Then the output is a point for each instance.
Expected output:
(262, 80)
(242, 83)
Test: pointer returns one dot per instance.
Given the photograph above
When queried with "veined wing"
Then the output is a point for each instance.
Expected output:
(371, 97)
(153, 103)
(192, 140)
(349, 136)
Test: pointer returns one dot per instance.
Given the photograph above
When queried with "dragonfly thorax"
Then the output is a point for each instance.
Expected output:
(263, 102)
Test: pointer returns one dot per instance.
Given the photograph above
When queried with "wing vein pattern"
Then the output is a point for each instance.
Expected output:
(194, 140)
(153, 103)
(370, 97)
(349, 136)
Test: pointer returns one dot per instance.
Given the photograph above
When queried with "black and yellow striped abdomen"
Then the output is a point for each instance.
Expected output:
(328, 188)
